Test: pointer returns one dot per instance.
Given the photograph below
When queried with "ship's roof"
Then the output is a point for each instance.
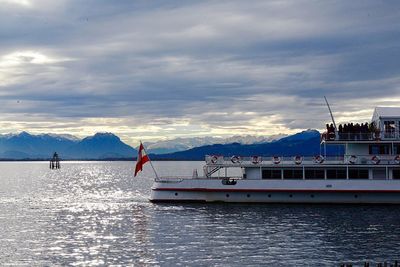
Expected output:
(386, 112)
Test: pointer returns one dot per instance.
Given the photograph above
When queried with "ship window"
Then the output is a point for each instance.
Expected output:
(379, 173)
(389, 129)
(396, 173)
(293, 173)
(358, 173)
(396, 149)
(379, 149)
(390, 126)
(336, 173)
(314, 174)
(271, 174)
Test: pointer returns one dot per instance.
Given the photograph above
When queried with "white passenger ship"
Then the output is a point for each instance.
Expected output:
(368, 172)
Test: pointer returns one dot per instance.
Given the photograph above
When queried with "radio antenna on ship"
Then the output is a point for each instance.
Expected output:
(330, 111)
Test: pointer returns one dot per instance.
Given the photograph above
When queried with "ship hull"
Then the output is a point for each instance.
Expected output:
(279, 191)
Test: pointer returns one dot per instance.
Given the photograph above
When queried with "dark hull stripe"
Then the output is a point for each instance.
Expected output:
(276, 202)
(276, 190)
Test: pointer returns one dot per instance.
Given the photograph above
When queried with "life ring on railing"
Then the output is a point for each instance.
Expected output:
(319, 159)
(298, 160)
(376, 159)
(276, 160)
(256, 159)
(397, 159)
(214, 159)
(236, 159)
(352, 159)
(331, 135)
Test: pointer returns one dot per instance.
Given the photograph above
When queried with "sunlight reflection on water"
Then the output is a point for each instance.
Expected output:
(96, 213)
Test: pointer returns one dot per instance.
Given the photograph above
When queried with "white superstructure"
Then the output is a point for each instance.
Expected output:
(368, 172)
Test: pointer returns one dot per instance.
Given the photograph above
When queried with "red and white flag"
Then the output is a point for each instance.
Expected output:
(141, 159)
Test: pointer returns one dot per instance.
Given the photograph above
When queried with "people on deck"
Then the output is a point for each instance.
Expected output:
(351, 130)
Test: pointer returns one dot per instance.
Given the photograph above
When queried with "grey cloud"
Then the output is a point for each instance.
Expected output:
(170, 60)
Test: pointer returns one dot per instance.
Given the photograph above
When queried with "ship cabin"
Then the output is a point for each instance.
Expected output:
(379, 139)
(371, 151)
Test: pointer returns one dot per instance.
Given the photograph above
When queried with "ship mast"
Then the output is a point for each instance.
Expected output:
(330, 111)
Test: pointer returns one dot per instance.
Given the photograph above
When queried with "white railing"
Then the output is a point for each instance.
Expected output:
(391, 135)
(361, 136)
(275, 160)
(171, 179)
(373, 159)
(221, 161)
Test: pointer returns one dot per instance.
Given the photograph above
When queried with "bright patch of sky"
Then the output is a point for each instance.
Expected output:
(24, 3)
(156, 70)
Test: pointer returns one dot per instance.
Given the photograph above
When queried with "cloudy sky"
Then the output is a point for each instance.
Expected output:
(160, 69)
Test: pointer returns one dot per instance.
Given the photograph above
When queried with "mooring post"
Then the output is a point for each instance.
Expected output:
(55, 162)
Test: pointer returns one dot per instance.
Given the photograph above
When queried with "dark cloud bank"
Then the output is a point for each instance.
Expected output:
(168, 68)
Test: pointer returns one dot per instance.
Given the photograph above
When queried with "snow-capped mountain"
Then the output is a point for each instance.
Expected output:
(181, 144)
(305, 143)
(108, 145)
(42, 136)
(62, 136)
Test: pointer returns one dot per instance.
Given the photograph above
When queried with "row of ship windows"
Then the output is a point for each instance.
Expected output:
(354, 173)
(384, 149)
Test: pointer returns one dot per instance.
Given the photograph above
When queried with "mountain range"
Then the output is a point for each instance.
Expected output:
(182, 144)
(109, 146)
(98, 146)
(305, 143)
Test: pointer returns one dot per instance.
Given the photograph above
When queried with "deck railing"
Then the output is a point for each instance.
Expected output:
(275, 160)
(217, 161)
(372, 159)
(360, 136)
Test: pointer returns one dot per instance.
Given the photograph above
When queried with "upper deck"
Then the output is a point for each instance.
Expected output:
(384, 127)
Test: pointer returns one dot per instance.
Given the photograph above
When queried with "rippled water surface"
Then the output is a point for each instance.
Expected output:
(97, 213)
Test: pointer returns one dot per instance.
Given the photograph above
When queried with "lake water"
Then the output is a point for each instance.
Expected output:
(97, 213)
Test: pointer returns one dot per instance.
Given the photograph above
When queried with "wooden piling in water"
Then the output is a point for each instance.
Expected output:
(55, 162)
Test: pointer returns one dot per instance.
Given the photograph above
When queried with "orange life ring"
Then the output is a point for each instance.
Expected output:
(353, 159)
(298, 160)
(276, 160)
(256, 159)
(397, 159)
(376, 159)
(236, 159)
(319, 159)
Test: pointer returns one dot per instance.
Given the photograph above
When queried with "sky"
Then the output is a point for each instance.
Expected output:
(155, 70)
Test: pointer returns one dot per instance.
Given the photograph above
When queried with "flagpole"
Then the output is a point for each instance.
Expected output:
(149, 160)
